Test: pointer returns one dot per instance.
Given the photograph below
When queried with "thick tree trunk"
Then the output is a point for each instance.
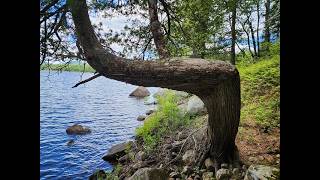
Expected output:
(253, 39)
(155, 28)
(233, 33)
(217, 83)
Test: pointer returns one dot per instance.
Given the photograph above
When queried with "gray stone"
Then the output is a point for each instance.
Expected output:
(174, 175)
(197, 177)
(181, 94)
(252, 159)
(224, 166)
(209, 164)
(207, 175)
(188, 157)
(78, 129)
(150, 111)
(262, 172)
(223, 174)
(140, 92)
(186, 170)
(70, 143)
(195, 106)
(141, 117)
(236, 171)
(117, 151)
(140, 156)
(124, 158)
(149, 174)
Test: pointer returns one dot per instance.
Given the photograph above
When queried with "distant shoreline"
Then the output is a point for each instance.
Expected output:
(70, 67)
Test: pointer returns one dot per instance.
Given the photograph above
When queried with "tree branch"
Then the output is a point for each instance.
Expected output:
(87, 80)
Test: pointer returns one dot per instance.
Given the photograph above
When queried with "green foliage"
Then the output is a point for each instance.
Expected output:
(260, 91)
(165, 120)
(69, 67)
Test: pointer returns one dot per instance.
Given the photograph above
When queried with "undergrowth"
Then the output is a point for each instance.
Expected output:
(260, 92)
(166, 119)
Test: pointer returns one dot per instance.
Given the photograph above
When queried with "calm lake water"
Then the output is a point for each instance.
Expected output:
(103, 105)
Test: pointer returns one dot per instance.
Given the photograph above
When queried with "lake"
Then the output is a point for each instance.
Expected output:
(103, 105)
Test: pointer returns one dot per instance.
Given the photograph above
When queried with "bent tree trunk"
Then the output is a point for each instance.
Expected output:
(217, 83)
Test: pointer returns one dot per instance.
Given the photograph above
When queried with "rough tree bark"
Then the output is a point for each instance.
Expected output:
(217, 83)
(156, 30)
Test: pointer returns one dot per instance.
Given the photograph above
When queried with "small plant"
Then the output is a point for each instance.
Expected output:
(165, 120)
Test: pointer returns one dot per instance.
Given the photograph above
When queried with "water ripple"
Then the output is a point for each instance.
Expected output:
(102, 104)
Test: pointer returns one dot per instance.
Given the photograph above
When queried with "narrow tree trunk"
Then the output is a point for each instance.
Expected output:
(248, 38)
(217, 83)
(267, 22)
(253, 39)
(258, 22)
(233, 33)
(155, 27)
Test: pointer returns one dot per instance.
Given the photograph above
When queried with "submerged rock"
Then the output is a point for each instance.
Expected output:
(150, 174)
(117, 151)
(71, 142)
(140, 92)
(78, 129)
(262, 172)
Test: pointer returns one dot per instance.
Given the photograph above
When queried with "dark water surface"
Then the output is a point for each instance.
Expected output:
(101, 104)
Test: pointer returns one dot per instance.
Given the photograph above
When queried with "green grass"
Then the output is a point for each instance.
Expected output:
(165, 120)
(69, 67)
(260, 91)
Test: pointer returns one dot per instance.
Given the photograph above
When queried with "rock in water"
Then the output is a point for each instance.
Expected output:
(78, 129)
(71, 142)
(262, 172)
(150, 174)
(141, 118)
(117, 151)
(140, 92)
(195, 106)
(223, 174)
(150, 111)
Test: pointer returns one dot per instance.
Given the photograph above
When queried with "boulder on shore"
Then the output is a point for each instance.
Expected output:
(141, 117)
(140, 92)
(78, 129)
(262, 172)
(195, 106)
(117, 151)
(150, 174)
